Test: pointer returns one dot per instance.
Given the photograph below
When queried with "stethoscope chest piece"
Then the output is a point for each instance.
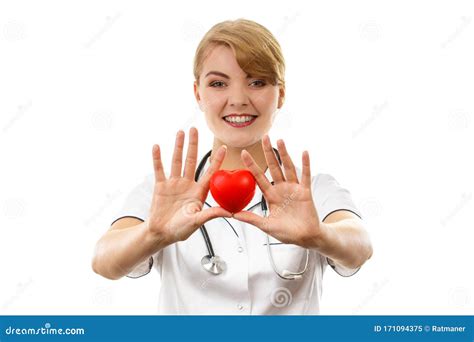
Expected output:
(213, 264)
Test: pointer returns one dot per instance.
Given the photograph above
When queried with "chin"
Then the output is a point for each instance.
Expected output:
(239, 141)
(237, 137)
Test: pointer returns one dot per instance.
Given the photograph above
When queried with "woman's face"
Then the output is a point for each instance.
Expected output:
(239, 109)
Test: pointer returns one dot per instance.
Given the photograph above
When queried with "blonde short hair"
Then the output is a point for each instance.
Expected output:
(256, 50)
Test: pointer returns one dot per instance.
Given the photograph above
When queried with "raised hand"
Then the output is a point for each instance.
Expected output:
(292, 214)
(177, 204)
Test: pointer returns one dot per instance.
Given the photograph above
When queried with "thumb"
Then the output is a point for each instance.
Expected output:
(251, 218)
(211, 213)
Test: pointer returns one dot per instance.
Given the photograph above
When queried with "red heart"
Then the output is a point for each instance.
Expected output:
(232, 190)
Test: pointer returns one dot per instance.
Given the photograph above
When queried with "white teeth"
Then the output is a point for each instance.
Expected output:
(238, 119)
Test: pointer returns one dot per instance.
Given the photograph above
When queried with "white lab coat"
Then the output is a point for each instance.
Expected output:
(249, 285)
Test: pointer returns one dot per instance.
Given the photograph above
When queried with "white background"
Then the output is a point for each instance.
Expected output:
(380, 93)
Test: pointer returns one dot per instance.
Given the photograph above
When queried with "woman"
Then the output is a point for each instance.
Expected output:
(256, 264)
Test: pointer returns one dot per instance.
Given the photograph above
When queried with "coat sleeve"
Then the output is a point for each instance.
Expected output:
(329, 196)
(137, 205)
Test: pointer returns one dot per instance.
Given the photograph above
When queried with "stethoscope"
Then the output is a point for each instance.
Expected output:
(215, 264)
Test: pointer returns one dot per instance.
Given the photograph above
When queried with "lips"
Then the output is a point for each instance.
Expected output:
(239, 114)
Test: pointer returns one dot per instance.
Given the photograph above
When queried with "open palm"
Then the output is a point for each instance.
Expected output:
(177, 204)
(292, 214)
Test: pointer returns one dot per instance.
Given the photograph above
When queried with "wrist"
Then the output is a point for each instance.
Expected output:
(320, 237)
(155, 237)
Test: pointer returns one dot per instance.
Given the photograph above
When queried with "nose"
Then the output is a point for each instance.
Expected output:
(238, 96)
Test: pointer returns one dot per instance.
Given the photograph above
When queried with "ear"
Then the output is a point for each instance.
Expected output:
(196, 91)
(281, 97)
(196, 94)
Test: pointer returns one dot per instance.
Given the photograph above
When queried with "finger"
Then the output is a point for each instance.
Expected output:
(256, 171)
(157, 165)
(216, 163)
(290, 170)
(306, 173)
(177, 155)
(253, 219)
(191, 156)
(272, 161)
(211, 213)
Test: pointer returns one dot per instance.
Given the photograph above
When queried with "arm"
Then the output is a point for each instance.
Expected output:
(343, 239)
(124, 246)
(293, 216)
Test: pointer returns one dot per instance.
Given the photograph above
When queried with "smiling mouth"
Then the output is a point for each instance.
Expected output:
(239, 120)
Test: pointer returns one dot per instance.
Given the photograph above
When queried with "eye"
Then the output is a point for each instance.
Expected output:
(213, 84)
(261, 82)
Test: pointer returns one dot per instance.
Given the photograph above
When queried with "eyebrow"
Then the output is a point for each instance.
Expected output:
(218, 73)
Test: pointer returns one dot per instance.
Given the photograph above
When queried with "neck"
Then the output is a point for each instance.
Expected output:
(233, 160)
